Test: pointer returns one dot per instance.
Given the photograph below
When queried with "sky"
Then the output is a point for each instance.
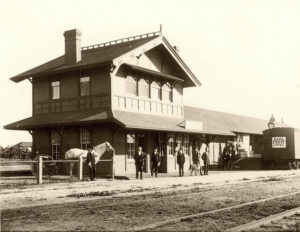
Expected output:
(245, 53)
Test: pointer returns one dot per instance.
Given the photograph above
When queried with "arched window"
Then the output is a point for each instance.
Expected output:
(155, 91)
(131, 85)
(85, 138)
(143, 88)
(167, 92)
(55, 144)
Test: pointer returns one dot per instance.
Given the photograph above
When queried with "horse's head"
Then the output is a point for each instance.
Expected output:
(108, 147)
(102, 148)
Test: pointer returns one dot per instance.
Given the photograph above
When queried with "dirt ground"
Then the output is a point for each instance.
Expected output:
(129, 204)
(16, 193)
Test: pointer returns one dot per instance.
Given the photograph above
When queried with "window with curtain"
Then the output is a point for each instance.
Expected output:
(131, 85)
(84, 86)
(55, 86)
(155, 91)
(55, 144)
(167, 92)
(143, 88)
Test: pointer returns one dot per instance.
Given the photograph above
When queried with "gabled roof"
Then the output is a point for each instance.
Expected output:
(89, 57)
(23, 144)
(227, 121)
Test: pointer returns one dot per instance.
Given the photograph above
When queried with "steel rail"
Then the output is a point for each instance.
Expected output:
(258, 223)
(178, 219)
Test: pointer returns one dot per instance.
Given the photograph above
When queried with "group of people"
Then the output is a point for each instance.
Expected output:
(155, 160)
(197, 157)
(140, 157)
(229, 155)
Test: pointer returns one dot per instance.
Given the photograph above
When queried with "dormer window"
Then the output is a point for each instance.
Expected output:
(55, 86)
(84, 86)
(131, 85)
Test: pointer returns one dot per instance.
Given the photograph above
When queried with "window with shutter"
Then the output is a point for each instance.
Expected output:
(155, 91)
(143, 88)
(131, 85)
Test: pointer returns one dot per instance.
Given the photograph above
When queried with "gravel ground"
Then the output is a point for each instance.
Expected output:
(26, 195)
(232, 218)
(131, 211)
(290, 223)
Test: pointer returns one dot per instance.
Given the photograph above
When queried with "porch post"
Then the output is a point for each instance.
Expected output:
(113, 166)
(40, 170)
(80, 168)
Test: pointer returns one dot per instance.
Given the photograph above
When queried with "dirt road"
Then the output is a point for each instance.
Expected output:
(15, 196)
(128, 212)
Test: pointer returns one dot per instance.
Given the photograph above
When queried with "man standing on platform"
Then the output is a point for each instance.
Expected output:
(180, 161)
(91, 163)
(155, 161)
(205, 159)
(139, 158)
(196, 156)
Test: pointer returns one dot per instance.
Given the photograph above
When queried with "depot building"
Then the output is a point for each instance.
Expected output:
(128, 92)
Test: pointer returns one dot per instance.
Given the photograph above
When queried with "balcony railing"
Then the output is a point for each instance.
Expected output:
(147, 106)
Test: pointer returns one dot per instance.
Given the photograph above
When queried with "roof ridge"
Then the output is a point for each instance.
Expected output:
(122, 40)
(239, 115)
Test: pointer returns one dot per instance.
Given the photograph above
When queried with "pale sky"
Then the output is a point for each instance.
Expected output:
(245, 53)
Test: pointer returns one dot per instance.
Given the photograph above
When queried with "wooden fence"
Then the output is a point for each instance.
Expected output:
(40, 162)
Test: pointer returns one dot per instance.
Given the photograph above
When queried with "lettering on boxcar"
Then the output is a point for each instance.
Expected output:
(278, 142)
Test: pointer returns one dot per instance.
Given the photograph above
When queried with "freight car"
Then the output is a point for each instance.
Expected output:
(281, 148)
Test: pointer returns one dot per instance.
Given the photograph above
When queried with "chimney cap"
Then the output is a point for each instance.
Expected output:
(73, 32)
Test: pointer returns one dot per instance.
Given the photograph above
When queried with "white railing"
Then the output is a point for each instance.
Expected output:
(147, 105)
(123, 40)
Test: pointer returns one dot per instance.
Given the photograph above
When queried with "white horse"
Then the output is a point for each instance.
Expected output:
(98, 151)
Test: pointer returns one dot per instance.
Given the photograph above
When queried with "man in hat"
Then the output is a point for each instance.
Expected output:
(205, 159)
(155, 161)
(139, 158)
(91, 162)
(180, 161)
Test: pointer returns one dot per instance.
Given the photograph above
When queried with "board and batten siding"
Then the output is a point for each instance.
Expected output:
(70, 99)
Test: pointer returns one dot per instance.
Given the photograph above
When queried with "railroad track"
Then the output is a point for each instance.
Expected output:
(178, 219)
(136, 204)
(163, 193)
(287, 221)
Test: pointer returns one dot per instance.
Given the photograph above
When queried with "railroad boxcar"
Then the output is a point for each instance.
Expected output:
(281, 148)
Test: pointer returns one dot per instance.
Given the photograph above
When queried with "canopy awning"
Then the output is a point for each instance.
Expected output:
(71, 118)
(141, 121)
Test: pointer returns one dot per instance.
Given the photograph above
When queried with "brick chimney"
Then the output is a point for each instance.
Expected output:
(72, 46)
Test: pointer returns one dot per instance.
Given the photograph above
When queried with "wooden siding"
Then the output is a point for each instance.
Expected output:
(69, 85)
(70, 99)
(41, 90)
(100, 82)
(42, 141)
